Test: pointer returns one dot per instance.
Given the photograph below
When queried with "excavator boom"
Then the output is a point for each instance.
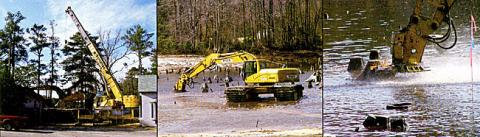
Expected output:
(210, 60)
(410, 43)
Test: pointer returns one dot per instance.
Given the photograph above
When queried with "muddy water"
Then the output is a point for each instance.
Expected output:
(444, 98)
(197, 112)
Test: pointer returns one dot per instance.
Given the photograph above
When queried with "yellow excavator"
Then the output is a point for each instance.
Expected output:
(114, 100)
(409, 43)
(260, 77)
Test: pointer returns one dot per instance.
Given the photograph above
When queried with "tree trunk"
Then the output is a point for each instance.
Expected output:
(38, 71)
(140, 62)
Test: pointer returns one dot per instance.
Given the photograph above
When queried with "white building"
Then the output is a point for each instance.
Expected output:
(147, 87)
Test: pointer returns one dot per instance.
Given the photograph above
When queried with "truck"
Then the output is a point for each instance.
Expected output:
(12, 122)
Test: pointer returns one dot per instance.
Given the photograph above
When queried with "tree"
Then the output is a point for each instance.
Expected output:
(165, 42)
(39, 39)
(154, 60)
(114, 49)
(24, 75)
(217, 25)
(129, 85)
(54, 44)
(79, 66)
(13, 42)
(138, 41)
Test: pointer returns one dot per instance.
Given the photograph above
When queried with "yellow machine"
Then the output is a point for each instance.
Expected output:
(409, 44)
(114, 98)
(260, 77)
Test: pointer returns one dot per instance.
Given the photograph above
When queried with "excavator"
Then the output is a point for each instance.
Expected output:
(409, 43)
(260, 77)
(114, 100)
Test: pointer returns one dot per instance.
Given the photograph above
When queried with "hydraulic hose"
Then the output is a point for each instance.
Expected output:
(437, 41)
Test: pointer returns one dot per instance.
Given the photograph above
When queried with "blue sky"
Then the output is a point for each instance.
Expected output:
(95, 15)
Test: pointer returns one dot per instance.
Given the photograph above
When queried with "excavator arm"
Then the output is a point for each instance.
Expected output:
(111, 82)
(210, 60)
(409, 44)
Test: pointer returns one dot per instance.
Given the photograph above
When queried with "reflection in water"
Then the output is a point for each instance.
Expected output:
(441, 99)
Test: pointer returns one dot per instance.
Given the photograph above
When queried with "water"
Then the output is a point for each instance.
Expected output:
(443, 98)
(197, 112)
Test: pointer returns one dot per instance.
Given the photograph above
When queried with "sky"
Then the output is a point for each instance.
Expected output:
(94, 15)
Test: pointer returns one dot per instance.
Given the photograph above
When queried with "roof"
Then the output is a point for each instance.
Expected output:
(147, 83)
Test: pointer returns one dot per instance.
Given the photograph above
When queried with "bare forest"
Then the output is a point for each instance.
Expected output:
(205, 26)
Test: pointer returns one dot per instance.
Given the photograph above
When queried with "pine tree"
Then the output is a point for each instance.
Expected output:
(13, 44)
(79, 65)
(54, 55)
(138, 40)
(39, 39)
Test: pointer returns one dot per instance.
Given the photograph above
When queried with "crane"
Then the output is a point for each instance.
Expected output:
(261, 77)
(114, 98)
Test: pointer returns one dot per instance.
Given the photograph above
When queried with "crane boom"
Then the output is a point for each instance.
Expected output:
(111, 82)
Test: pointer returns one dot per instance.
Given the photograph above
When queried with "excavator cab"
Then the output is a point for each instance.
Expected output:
(249, 68)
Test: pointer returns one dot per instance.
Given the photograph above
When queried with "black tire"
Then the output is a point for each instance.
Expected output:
(8, 126)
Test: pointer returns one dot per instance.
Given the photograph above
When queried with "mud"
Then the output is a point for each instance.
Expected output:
(197, 113)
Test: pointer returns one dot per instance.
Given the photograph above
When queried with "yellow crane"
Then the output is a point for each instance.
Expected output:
(114, 99)
(260, 77)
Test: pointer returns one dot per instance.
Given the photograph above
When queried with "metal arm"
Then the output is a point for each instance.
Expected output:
(111, 82)
(409, 44)
(210, 60)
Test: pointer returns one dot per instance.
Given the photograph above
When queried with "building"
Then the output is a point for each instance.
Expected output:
(147, 87)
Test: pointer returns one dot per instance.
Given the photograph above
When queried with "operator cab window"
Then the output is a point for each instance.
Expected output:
(249, 68)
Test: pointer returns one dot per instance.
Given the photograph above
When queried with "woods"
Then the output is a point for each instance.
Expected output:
(205, 26)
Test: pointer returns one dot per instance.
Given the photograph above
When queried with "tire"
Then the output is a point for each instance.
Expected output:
(8, 126)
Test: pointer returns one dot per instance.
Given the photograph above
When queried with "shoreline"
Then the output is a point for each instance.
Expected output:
(310, 132)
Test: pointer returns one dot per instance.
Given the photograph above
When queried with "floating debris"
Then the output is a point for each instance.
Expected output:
(391, 123)
(399, 106)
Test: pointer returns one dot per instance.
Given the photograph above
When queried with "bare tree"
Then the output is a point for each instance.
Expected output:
(114, 49)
